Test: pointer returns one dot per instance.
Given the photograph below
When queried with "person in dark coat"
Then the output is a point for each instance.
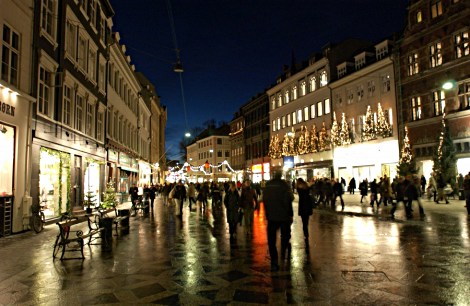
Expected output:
(134, 193)
(231, 202)
(374, 187)
(248, 202)
(337, 192)
(305, 205)
(152, 194)
(277, 198)
(352, 185)
(363, 189)
(180, 196)
(400, 196)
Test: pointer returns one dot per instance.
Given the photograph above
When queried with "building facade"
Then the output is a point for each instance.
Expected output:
(70, 43)
(435, 50)
(256, 136)
(301, 116)
(365, 144)
(237, 146)
(16, 102)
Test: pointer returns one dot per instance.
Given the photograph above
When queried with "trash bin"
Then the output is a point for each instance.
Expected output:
(107, 234)
(124, 223)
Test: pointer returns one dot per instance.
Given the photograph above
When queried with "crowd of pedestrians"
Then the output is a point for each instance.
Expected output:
(242, 199)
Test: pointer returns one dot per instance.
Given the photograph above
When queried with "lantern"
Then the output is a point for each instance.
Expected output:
(188, 168)
(206, 164)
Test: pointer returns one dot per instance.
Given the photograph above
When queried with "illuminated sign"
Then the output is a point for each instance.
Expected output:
(266, 167)
(288, 161)
(258, 168)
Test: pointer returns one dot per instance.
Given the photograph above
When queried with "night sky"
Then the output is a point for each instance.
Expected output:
(233, 50)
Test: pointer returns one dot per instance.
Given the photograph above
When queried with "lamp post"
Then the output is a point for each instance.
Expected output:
(451, 103)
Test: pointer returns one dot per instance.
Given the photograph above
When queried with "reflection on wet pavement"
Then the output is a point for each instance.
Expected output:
(359, 256)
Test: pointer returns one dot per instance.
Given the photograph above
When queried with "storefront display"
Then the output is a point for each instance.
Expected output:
(7, 143)
(92, 181)
(54, 182)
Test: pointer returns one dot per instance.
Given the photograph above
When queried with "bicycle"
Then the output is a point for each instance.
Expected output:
(38, 219)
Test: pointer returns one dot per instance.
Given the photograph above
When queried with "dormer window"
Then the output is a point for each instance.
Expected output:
(360, 62)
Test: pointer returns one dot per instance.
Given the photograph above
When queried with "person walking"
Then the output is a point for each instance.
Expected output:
(180, 196)
(400, 196)
(441, 184)
(373, 193)
(433, 186)
(337, 192)
(352, 185)
(191, 195)
(423, 184)
(232, 207)
(248, 203)
(363, 189)
(134, 193)
(152, 194)
(277, 198)
(305, 205)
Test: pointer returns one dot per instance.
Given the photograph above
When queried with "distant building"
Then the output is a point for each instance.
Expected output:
(208, 155)
(237, 145)
(434, 50)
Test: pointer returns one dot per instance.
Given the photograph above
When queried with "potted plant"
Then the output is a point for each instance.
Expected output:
(89, 201)
(109, 197)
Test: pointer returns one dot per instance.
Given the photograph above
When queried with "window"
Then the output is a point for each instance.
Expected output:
(102, 27)
(71, 40)
(350, 96)
(116, 125)
(90, 114)
(92, 64)
(464, 95)
(419, 17)
(219, 141)
(413, 67)
(386, 83)
(92, 13)
(48, 17)
(438, 98)
(82, 52)
(283, 121)
(327, 106)
(435, 55)
(299, 116)
(294, 118)
(288, 120)
(67, 106)
(278, 123)
(360, 62)
(79, 113)
(320, 109)
(323, 79)
(102, 74)
(294, 93)
(273, 103)
(312, 83)
(45, 92)
(10, 55)
(342, 71)
(338, 98)
(99, 126)
(286, 96)
(219, 153)
(279, 100)
(303, 88)
(370, 88)
(306, 117)
(436, 8)
(227, 153)
(461, 42)
(273, 126)
(360, 92)
(416, 108)
(312, 111)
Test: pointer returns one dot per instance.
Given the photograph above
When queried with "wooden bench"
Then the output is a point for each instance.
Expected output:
(118, 219)
(95, 231)
(73, 240)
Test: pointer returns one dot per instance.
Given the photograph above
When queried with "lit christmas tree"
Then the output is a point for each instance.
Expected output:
(444, 158)
(292, 143)
(313, 139)
(307, 139)
(368, 128)
(323, 143)
(301, 144)
(383, 127)
(334, 133)
(109, 197)
(285, 145)
(344, 136)
(407, 163)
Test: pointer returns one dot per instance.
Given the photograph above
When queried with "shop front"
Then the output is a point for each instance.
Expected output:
(367, 161)
(15, 144)
(128, 174)
(260, 172)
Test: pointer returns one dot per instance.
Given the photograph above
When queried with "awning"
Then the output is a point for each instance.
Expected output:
(129, 169)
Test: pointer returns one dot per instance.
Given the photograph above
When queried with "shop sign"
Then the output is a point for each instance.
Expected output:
(288, 161)
(112, 156)
(7, 109)
(124, 160)
(266, 167)
(256, 168)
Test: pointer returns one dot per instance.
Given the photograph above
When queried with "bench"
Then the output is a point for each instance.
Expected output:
(73, 240)
(95, 231)
(119, 218)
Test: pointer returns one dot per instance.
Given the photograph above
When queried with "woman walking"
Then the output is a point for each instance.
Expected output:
(231, 204)
(305, 205)
(248, 202)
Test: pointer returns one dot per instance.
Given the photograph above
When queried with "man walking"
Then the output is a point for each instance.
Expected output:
(277, 198)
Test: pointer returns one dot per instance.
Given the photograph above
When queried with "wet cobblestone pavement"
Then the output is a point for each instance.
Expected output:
(359, 256)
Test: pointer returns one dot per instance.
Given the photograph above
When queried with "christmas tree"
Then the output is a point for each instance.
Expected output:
(334, 133)
(313, 140)
(383, 126)
(109, 197)
(285, 145)
(292, 143)
(407, 163)
(444, 158)
(368, 127)
(323, 143)
(344, 137)
(301, 144)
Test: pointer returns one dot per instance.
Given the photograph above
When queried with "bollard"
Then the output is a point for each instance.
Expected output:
(107, 234)
(124, 223)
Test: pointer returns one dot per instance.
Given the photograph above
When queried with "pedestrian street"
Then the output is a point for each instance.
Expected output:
(358, 256)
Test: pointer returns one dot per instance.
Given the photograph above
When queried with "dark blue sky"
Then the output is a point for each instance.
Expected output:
(232, 50)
